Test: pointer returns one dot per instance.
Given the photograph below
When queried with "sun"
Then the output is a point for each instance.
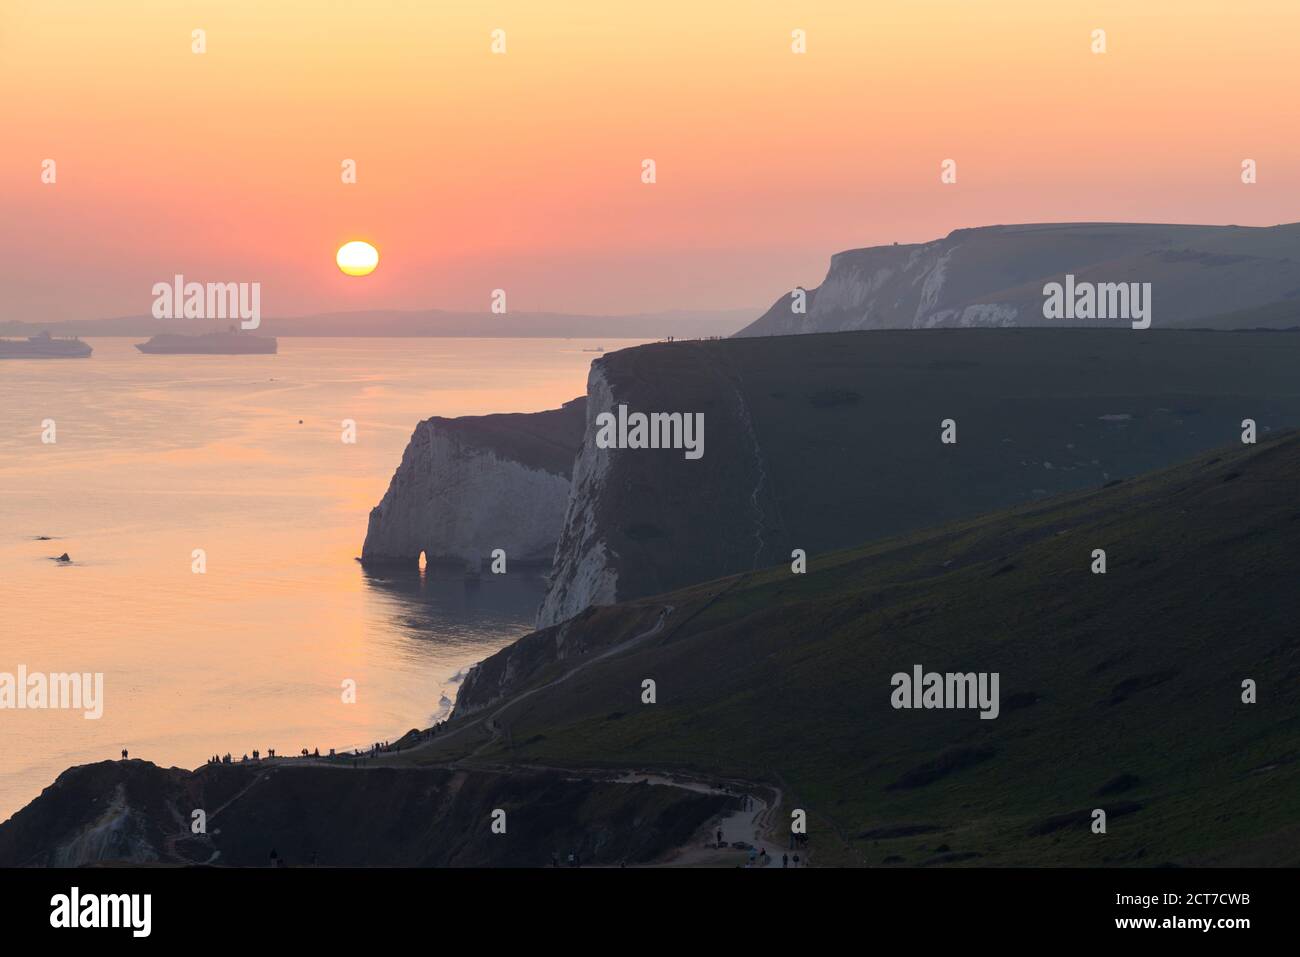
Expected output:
(357, 258)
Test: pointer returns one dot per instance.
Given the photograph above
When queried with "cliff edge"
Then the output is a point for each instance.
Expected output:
(468, 485)
(823, 442)
(994, 276)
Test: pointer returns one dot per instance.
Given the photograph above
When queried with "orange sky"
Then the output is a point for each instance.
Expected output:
(522, 171)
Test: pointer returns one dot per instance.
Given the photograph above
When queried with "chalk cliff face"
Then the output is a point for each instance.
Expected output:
(584, 572)
(469, 485)
(644, 521)
(994, 276)
(830, 441)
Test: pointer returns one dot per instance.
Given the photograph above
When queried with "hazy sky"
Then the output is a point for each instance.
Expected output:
(523, 171)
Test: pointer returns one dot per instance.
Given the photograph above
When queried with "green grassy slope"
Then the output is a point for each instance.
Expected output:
(1120, 691)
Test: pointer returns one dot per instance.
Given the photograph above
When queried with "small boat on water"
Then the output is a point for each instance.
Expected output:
(597, 349)
(230, 343)
(43, 346)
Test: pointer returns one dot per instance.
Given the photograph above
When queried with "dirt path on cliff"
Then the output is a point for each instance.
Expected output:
(493, 725)
(489, 721)
(754, 824)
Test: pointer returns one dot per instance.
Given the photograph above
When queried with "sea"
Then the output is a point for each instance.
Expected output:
(159, 460)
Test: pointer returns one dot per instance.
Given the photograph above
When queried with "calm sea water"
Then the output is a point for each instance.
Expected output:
(240, 456)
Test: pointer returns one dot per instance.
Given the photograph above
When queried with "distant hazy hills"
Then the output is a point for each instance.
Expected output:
(427, 322)
(1220, 277)
(1209, 276)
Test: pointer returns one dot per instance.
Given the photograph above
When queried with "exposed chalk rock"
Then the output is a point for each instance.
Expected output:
(469, 485)
(644, 521)
(583, 573)
(1212, 276)
(830, 441)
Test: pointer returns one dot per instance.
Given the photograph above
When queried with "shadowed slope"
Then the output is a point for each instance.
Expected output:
(1120, 691)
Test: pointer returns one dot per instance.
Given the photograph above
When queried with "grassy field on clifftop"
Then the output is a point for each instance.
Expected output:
(824, 442)
(1119, 691)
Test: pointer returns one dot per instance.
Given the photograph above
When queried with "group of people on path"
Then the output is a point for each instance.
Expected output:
(758, 856)
(228, 759)
(378, 747)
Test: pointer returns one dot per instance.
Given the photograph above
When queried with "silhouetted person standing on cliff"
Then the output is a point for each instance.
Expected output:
(124, 754)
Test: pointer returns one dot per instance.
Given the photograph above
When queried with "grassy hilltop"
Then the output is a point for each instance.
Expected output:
(1120, 691)
(824, 442)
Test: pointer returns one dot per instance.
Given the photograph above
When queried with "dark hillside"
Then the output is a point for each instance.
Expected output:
(822, 442)
(1119, 691)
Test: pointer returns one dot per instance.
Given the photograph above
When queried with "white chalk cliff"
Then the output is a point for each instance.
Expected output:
(469, 485)
(994, 276)
(646, 521)
(583, 573)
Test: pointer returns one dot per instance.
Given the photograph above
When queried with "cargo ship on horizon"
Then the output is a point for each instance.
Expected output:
(229, 343)
(43, 346)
